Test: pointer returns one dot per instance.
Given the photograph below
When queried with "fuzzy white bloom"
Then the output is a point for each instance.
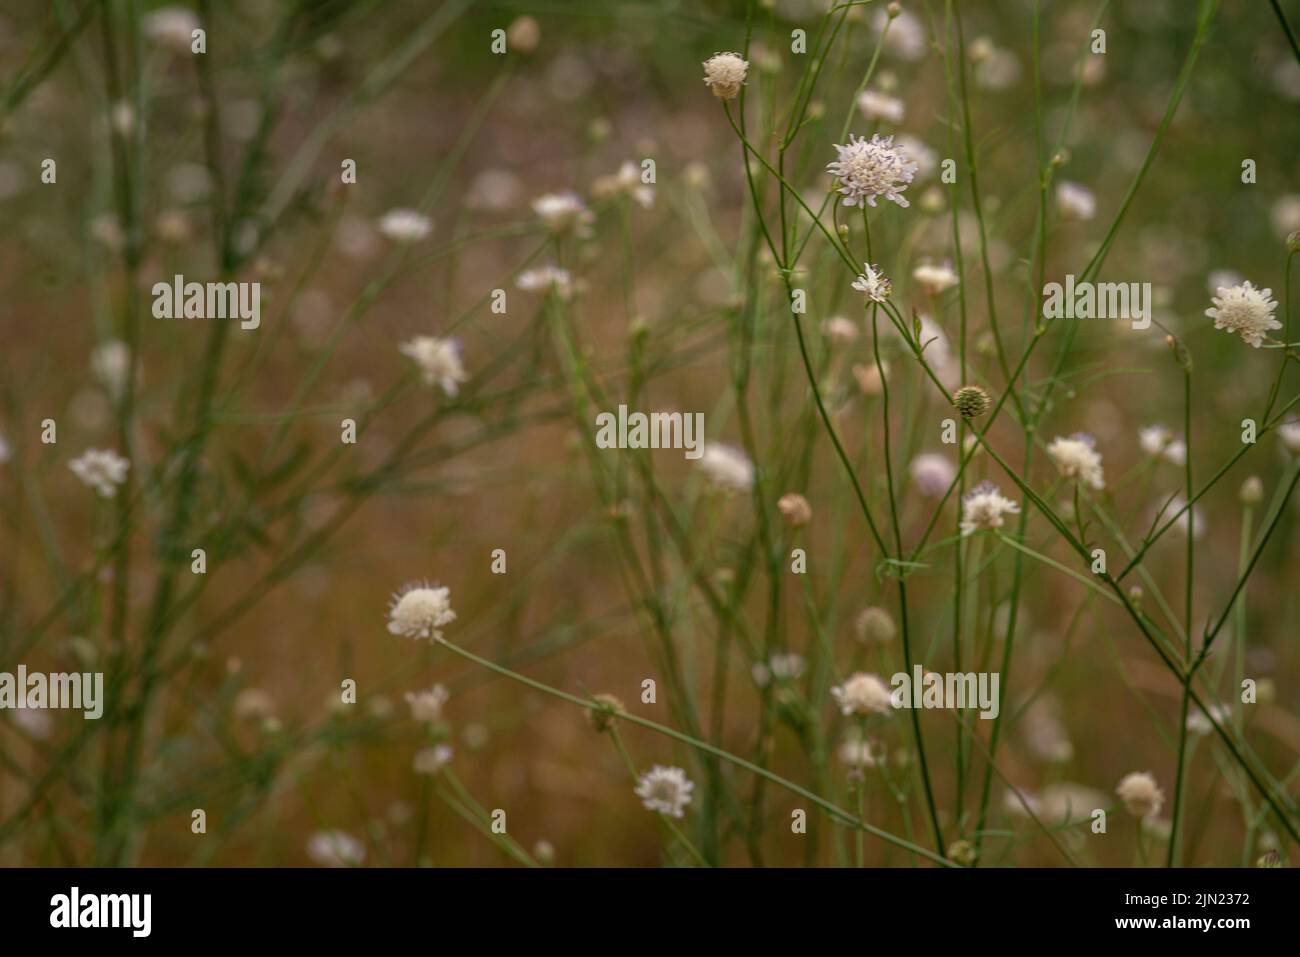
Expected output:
(873, 283)
(1191, 518)
(905, 36)
(432, 760)
(932, 473)
(1199, 723)
(1077, 458)
(1075, 201)
(785, 667)
(860, 752)
(840, 329)
(420, 610)
(549, 278)
(863, 693)
(438, 360)
(724, 73)
(875, 105)
(626, 182)
(335, 849)
(935, 280)
(101, 469)
(1141, 795)
(983, 508)
(727, 467)
(1156, 440)
(110, 363)
(1246, 311)
(171, 28)
(564, 213)
(926, 159)
(405, 225)
(1289, 433)
(868, 169)
(427, 705)
(665, 789)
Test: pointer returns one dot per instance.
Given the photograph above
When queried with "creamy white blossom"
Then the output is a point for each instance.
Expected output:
(420, 611)
(932, 473)
(625, 182)
(874, 105)
(427, 705)
(1141, 795)
(1077, 458)
(101, 469)
(564, 213)
(727, 467)
(438, 361)
(935, 279)
(665, 789)
(863, 694)
(335, 849)
(724, 73)
(550, 278)
(1246, 311)
(405, 225)
(1075, 201)
(984, 509)
(872, 283)
(868, 169)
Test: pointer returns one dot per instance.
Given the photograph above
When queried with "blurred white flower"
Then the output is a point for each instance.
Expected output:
(984, 508)
(427, 705)
(110, 363)
(727, 467)
(935, 279)
(874, 105)
(1077, 458)
(405, 225)
(335, 849)
(1140, 794)
(863, 694)
(438, 360)
(564, 213)
(550, 278)
(432, 760)
(1075, 201)
(171, 28)
(626, 182)
(101, 469)
(665, 789)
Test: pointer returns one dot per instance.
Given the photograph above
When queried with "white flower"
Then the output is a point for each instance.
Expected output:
(727, 467)
(1191, 517)
(405, 225)
(983, 508)
(1075, 201)
(1198, 723)
(863, 694)
(1158, 440)
(935, 280)
(875, 105)
(1289, 433)
(439, 361)
(666, 790)
(101, 469)
(787, 667)
(1140, 794)
(1077, 458)
(932, 473)
(873, 283)
(171, 28)
(420, 611)
(861, 752)
(110, 363)
(839, 329)
(432, 760)
(905, 38)
(724, 73)
(564, 213)
(1244, 310)
(626, 182)
(926, 159)
(427, 705)
(335, 849)
(871, 168)
(550, 278)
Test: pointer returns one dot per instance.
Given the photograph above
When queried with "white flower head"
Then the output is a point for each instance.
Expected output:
(926, 159)
(1289, 433)
(1075, 201)
(547, 278)
(1156, 440)
(984, 508)
(438, 360)
(564, 213)
(101, 469)
(932, 473)
(1077, 458)
(1246, 311)
(1199, 723)
(863, 694)
(626, 182)
(427, 705)
(432, 760)
(872, 283)
(935, 280)
(1141, 795)
(420, 610)
(110, 363)
(875, 105)
(727, 467)
(868, 169)
(171, 28)
(724, 73)
(859, 752)
(665, 789)
(335, 849)
(405, 225)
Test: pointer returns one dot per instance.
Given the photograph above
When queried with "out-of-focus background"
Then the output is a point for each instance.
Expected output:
(231, 700)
